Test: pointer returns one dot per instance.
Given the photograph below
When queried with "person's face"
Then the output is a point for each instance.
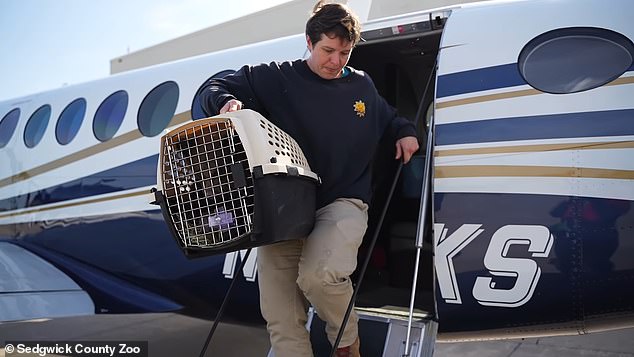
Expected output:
(328, 56)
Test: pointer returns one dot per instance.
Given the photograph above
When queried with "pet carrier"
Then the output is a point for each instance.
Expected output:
(234, 181)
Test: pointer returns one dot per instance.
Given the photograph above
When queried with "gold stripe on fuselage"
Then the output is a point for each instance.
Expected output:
(513, 149)
(73, 204)
(513, 94)
(442, 172)
(87, 152)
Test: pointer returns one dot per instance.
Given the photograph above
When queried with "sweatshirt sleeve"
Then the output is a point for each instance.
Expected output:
(401, 127)
(241, 85)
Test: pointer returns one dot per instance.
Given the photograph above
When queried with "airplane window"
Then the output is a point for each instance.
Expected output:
(575, 59)
(197, 109)
(157, 109)
(109, 115)
(7, 126)
(70, 120)
(36, 126)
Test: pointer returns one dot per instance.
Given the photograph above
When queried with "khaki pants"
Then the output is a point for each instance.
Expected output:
(294, 274)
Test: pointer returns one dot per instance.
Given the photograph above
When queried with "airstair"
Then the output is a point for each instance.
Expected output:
(383, 333)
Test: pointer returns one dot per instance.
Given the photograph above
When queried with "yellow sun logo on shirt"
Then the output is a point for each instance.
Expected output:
(359, 108)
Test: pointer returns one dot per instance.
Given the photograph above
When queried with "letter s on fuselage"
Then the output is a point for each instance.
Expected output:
(497, 260)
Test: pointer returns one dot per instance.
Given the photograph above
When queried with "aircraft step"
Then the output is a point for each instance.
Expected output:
(383, 332)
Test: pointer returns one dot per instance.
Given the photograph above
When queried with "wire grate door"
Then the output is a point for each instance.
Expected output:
(207, 184)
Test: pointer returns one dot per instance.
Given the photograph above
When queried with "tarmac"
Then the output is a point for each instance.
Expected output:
(618, 343)
(171, 334)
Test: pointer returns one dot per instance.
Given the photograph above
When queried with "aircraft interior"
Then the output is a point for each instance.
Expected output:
(401, 69)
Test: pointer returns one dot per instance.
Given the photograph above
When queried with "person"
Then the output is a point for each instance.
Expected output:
(337, 117)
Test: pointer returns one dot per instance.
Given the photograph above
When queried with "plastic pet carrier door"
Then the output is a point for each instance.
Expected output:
(234, 181)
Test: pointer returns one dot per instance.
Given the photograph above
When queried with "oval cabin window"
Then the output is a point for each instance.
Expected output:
(36, 126)
(109, 115)
(8, 125)
(575, 59)
(158, 108)
(70, 121)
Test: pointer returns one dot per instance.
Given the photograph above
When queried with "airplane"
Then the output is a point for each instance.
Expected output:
(532, 179)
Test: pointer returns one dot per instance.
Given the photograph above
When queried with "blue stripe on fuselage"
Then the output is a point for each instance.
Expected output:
(568, 125)
(135, 174)
(481, 79)
(476, 80)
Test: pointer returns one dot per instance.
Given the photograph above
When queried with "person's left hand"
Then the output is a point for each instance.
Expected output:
(406, 147)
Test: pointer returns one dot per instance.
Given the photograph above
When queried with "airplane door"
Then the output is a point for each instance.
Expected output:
(533, 185)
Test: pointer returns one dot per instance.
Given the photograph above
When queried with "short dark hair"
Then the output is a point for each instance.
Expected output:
(333, 20)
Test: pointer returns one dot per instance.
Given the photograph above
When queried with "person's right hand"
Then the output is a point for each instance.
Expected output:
(231, 106)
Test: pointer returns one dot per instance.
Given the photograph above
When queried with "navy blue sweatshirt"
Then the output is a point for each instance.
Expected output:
(337, 123)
